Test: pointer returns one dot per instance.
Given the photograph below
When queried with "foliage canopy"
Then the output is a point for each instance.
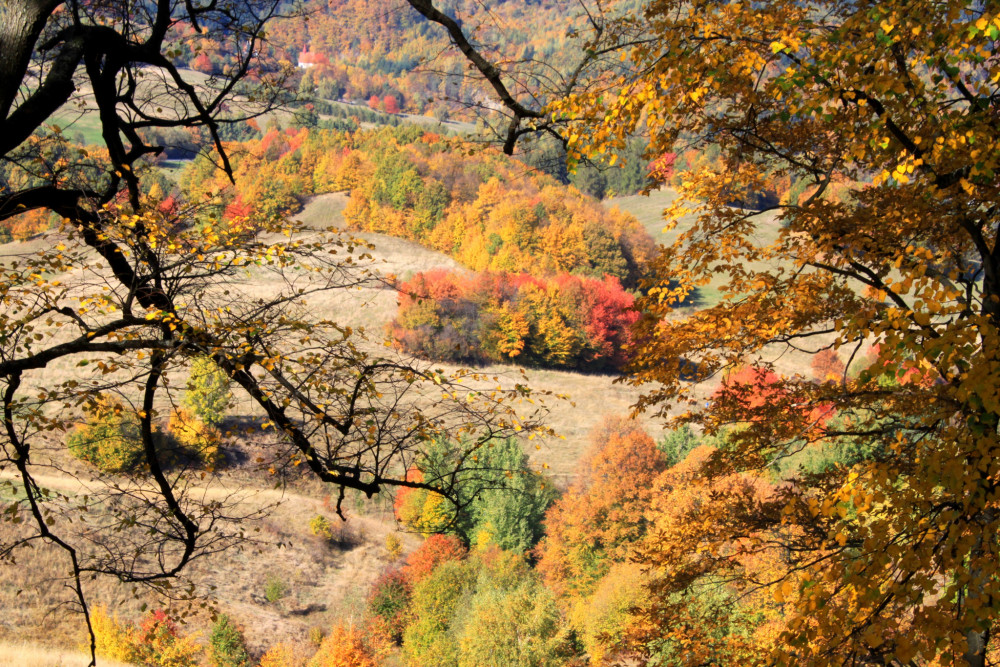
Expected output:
(891, 558)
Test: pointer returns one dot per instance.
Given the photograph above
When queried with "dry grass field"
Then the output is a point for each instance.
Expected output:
(323, 582)
(648, 210)
(23, 655)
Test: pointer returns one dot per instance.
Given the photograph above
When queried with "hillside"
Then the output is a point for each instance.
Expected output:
(325, 584)
(300, 367)
(385, 51)
(328, 584)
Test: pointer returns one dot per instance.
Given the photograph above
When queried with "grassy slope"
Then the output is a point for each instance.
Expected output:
(325, 583)
(648, 209)
(594, 396)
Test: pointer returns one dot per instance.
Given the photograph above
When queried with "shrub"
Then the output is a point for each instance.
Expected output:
(197, 438)
(280, 655)
(274, 588)
(320, 526)
(316, 635)
(227, 647)
(389, 601)
(393, 546)
(344, 647)
(114, 640)
(110, 438)
(160, 645)
(424, 511)
(208, 394)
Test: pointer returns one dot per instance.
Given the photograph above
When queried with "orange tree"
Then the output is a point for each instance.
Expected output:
(891, 558)
(130, 291)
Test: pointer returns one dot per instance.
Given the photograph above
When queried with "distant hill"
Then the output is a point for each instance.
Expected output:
(383, 53)
(371, 50)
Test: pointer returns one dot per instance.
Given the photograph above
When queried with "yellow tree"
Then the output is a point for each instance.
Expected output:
(892, 549)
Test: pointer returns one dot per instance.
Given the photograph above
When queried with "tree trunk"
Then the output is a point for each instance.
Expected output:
(21, 22)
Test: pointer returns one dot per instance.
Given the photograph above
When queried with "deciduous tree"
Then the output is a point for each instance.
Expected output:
(602, 515)
(893, 557)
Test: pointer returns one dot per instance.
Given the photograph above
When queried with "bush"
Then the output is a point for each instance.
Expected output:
(344, 647)
(320, 526)
(316, 635)
(227, 647)
(115, 640)
(342, 535)
(195, 437)
(393, 546)
(208, 394)
(280, 655)
(160, 645)
(155, 643)
(110, 438)
(274, 588)
(389, 601)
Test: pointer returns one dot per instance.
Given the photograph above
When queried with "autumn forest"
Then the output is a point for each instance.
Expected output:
(514, 333)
